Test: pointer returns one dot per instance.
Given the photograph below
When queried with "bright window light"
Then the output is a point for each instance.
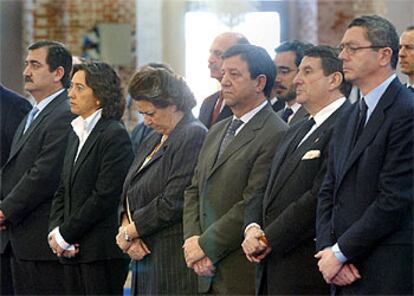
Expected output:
(261, 28)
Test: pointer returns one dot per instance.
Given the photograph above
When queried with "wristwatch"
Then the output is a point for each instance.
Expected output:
(126, 236)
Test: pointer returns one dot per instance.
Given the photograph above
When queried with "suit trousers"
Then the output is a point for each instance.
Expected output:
(6, 282)
(104, 277)
(37, 277)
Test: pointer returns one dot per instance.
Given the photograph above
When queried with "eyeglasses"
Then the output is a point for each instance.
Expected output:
(285, 71)
(351, 50)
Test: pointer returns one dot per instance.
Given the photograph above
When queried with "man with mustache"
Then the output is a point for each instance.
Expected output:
(406, 55)
(31, 174)
(288, 57)
(213, 108)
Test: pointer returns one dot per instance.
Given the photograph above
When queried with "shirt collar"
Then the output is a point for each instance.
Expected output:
(372, 98)
(85, 126)
(46, 101)
(295, 107)
(249, 115)
(327, 111)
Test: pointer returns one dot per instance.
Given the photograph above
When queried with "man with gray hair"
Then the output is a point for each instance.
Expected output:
(365, 207)
(213, 108)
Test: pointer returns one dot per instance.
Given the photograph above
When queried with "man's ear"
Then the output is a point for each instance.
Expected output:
(335, 80)
(59, 73)
(260, 83)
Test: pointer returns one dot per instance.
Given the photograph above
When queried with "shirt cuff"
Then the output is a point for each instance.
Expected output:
(61, 241)
(338, 254)
(250, 226)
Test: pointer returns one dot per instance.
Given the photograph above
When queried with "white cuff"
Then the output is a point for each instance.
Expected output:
(61, 241)
(251, 225)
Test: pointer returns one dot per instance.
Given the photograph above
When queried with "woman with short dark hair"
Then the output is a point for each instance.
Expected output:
(84, 217)
(153, 196)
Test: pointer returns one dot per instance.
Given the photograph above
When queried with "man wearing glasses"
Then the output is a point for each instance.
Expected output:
(288, 57)
(364, 214)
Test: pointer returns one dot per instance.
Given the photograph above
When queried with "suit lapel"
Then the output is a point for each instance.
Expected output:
(22, 138)
(373, 125)
(90, 142)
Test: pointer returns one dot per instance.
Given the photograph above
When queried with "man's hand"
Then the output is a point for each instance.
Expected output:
(60, 252)
(347, 275)
(192, 251)
(204, 267)
(138, 249)
(2, 221)
(255, 245)
(328, 264)
(121, 242)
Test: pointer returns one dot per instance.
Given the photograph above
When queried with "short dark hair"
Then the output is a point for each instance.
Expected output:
(106, 87)
(330, 64)
(57, 56)
(298, 47)
(409, 28)
(161, 87)
(380, 32)
(258, 61)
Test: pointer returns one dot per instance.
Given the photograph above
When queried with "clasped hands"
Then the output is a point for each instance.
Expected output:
(196, 258)
(2, 221)
(255, 245)
(59, 251)
(334, 271)
(135, 248)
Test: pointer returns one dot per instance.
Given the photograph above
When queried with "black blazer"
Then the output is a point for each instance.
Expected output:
(366, 199)
(287, 211)
(13, 108)
(30, 178)
(86, 202)
(156, 196)
(207, 108)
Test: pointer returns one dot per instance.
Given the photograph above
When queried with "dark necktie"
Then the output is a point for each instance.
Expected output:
(30, 118)
(362, 116)
(217, 109)
(305, 128)
(286, 113)
(230, 134)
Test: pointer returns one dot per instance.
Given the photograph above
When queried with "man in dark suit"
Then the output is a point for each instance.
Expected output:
(213, 108)
(280, 222)
(96, 162)
(13, 108)
(232, 165)
(406, 55)
(30, 176)
(288, 57)
(365, 206)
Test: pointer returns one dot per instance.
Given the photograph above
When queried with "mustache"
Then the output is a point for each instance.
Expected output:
(27, 79)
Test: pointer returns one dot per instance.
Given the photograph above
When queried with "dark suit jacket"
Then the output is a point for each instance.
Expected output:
(298, 116)
(86, 202)
(278, 105)
(30, 178)
(287, 211)
(156, 194)
(207, 109)
(13, 108)
(365, 203)
(215, 201)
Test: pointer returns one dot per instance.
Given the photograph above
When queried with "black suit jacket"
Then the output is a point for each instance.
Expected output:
(365, 203)
(286, 211)
(207, 109)
(86, 202)
(278, 105)
(156, 195)
(13, 108)
(30, 178)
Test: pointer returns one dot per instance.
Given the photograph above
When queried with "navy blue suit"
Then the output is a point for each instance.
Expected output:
(365, 203)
